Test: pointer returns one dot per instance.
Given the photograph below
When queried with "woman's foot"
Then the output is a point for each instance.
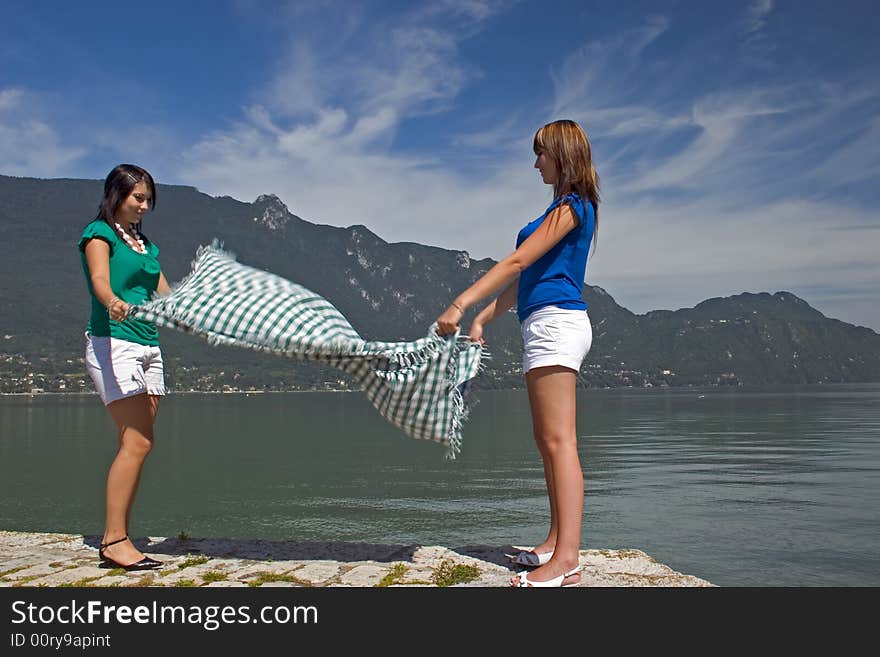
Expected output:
(121, 553)
(545, 547)
(549, 572)
(537, 556)
(530, 558)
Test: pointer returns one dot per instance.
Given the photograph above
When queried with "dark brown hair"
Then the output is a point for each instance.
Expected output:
(117, 187)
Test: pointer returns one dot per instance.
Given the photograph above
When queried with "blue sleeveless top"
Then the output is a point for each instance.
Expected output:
(557, 278)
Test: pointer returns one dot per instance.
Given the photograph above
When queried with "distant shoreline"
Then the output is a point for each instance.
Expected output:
(707, 388)
(172, 392)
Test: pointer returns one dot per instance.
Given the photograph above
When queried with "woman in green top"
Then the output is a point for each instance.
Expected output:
(122, 355)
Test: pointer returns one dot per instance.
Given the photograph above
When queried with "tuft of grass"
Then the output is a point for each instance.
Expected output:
(193, 561)
(215, 576)
(186, 583)
(449, 573)
(146, 580)
(393, 576)
(183, 536)
(85, 581)
(265, 577)
(25, 580)
(11, 571)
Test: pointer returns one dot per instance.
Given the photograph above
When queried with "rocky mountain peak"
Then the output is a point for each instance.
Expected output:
(275, 214)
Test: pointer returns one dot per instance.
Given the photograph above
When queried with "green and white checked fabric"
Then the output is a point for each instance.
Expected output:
(418, 386)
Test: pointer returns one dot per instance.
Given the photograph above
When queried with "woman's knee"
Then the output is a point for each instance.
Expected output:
(137, 443)
(554, 442)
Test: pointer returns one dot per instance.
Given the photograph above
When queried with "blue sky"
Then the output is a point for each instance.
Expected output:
(738, 143)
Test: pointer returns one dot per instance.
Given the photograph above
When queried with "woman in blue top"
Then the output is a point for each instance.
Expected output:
(544, 279)
(122, 355)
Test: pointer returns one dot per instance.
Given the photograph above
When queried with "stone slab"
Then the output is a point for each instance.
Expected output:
(52, 559)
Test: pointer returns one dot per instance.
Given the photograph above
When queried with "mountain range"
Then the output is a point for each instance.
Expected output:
(388, 291)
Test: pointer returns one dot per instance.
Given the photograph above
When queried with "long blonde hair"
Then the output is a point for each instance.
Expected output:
(567, 143)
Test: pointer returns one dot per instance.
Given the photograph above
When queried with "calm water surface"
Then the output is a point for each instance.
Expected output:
(771, 486)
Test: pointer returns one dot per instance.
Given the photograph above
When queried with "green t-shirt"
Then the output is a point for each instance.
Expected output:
(133, 278)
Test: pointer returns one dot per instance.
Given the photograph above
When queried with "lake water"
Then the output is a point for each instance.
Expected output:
(770, 486)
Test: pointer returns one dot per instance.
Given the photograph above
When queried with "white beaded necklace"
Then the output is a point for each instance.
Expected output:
(136, 244)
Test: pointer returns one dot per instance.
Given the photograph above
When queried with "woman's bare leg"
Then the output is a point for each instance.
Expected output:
(549, 543)
(134, 418)
(552, 393)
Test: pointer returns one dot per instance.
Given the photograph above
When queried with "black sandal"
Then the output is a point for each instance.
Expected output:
(107, 562)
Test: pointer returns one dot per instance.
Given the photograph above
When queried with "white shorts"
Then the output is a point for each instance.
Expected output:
(121, 369)
(556, 336)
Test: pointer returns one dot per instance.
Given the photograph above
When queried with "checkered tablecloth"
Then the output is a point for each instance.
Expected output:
(418, 386)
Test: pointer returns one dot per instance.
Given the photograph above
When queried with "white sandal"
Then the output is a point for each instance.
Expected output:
(531, 559)
(556, 582)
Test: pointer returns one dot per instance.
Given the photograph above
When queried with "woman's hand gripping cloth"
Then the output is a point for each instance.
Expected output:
(418, 386)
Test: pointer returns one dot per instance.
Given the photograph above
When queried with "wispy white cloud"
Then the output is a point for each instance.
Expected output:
(670, 137)
(302, 84)
(756, 45)
(603, 69)
(421, 68)
(500, 134)
(722, 121)
(10, 98)
(473, 12)
(673, 255)
(705, 197)
(321, 137)
(327, 175)
(857, 160)
(28, 143)
(378, 73)
(634, 120)
(757, 15)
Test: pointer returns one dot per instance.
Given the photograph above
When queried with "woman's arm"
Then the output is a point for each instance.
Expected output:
(502, 303)
(555, 226)
(163, 288)
(98, 260)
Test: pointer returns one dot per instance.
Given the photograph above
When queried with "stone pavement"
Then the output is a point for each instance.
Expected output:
(44, 559)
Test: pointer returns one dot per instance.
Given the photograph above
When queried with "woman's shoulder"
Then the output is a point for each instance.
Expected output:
(574, 200)
(100, 229)
(571, 198)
